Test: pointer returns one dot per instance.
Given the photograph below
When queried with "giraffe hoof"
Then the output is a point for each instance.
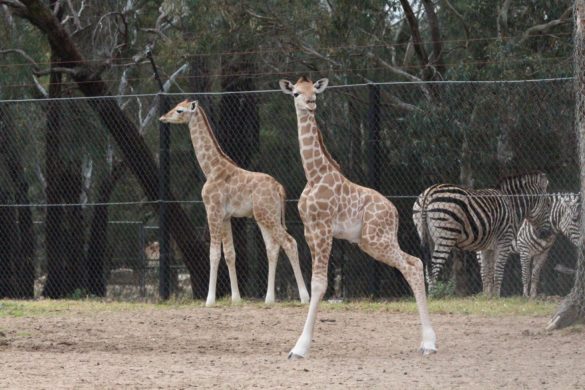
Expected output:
(294, 356)
(427, 351)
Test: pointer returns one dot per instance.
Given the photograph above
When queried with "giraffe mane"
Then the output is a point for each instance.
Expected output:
(213, 137)
(326, 152)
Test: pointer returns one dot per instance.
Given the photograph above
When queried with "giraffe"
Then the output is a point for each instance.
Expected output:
(230, 191)
(331, 206)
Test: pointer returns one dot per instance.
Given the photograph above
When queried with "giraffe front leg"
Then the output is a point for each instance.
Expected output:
(215, 228)
(320, 247)
(230, 258)
(214, 256)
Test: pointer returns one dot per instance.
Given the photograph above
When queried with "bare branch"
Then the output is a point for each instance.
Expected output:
(21, 53)
(436, 57)
(415, 33)
(14, 5)
(153, 110)
(502, 20)
(541, 28)
(461, 18)
(76, 15)
(60, 69)
(40, 87)
(392, 68)
(400, 72)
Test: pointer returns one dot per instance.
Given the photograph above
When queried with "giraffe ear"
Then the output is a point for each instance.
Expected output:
(194, 105)
(320, 85)
(286, 86)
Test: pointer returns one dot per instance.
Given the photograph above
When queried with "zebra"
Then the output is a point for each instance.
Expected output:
(485, 220)
(533, 250)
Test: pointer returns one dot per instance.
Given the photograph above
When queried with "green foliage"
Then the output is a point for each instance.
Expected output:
(443, 289)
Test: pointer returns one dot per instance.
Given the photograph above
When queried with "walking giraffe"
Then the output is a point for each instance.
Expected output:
(332, 206)
(230, 191)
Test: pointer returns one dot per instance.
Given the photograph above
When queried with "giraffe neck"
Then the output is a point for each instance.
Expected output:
(212, 159)
(316, 159)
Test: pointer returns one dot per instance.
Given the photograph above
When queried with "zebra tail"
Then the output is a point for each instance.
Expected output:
(425, 239)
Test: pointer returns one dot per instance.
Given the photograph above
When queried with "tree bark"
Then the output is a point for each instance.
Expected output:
(572, 308)
(54, 214)
(8, 239)
(95, 279)
(136, 153)
(239, 136)
(24, 276)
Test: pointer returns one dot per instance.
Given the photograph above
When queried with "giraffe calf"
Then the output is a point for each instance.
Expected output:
(230, 191)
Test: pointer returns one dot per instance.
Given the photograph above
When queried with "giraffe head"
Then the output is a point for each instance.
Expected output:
(304, 92)
(181, 113)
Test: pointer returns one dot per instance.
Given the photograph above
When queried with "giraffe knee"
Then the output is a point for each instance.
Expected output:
(318, 288)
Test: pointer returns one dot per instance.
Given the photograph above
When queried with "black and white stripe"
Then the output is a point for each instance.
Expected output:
(533, 248)
(486, 220)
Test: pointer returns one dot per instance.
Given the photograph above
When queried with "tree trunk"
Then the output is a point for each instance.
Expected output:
(8, 239)
(54, 215)
(572, 308)
(24, 276)
(239, 136)
(95, 279)
(136, 153)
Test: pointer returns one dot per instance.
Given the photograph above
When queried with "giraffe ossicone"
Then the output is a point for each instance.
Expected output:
(230, 191)
(331, 206)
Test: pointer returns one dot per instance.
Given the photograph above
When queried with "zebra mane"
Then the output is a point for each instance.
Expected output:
(536, 181)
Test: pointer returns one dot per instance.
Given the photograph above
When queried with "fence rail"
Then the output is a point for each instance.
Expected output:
(71, 167)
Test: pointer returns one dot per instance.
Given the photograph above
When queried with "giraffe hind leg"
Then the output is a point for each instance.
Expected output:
(381, 243)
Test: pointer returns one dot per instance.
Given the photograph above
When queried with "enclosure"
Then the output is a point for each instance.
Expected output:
(80, 212)
(482, 344)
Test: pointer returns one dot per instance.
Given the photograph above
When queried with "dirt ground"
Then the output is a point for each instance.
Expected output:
(246, 347)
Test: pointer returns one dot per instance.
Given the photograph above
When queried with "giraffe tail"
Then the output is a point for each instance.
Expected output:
(282, 193)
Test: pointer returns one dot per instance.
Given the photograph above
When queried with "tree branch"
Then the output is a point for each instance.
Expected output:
(415, 33)
(541, 28)
(502, 20)
(461, 18)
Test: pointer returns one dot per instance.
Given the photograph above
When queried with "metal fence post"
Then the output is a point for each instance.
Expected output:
(164, 182)
(373, 123)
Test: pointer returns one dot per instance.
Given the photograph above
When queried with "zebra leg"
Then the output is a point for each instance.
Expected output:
(501, 255)
(526, 263)
(539, 262)
(486, 263)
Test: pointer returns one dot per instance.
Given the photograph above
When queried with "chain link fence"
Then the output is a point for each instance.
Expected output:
(79, 183)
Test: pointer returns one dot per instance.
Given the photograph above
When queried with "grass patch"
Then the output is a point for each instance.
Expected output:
(477, 305)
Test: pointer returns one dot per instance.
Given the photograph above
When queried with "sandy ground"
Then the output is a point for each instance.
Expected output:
(246, 347)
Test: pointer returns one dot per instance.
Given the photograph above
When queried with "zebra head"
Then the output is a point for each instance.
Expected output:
(566, 216)
(528, 198)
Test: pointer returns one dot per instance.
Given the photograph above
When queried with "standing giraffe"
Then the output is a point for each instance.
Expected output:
(332, 206)
(230, 191)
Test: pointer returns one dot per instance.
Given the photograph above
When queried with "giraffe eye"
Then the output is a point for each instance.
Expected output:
(180, 111)
(295, 94)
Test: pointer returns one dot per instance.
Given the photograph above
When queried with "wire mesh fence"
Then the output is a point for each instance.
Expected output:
(79, 183)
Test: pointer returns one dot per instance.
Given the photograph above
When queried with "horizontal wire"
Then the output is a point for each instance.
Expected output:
(262, 74)
(151, 202)
(221, 93)
(267, 51)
